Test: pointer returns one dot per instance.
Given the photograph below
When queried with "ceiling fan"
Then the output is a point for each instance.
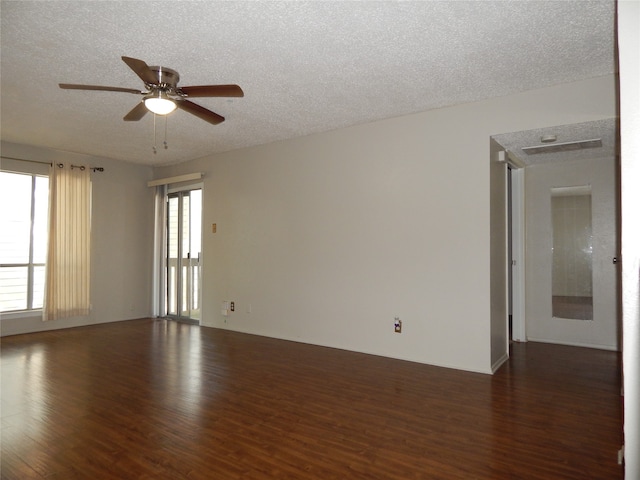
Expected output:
(162, 95)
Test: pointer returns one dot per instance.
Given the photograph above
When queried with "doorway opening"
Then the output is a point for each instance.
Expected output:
(550, 175)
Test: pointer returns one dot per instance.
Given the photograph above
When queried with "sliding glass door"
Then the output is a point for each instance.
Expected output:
(184, 239)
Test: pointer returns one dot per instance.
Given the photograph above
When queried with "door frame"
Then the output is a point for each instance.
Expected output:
(172, 191)
(517, 232)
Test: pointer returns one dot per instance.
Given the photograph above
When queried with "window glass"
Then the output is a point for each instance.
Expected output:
(24, 201)
(15, 217)
(40, 214)
(13, 288)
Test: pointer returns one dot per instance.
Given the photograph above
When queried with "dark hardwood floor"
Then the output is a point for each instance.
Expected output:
(155, 399)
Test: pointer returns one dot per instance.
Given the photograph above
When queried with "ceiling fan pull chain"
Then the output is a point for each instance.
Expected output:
(166, 146)
(154, 134)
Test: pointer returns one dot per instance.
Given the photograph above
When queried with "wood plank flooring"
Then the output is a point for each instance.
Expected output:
(155, 399)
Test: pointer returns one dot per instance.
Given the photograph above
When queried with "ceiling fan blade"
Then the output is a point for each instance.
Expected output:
(73, 86)
(201, 112)
(213, 91)
(141, 69)
(137, 113)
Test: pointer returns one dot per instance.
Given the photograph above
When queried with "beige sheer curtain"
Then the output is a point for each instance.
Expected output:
(67, 278)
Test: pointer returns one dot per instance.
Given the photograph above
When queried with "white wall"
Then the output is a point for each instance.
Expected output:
(629, 48)
(330, 236)
(122, 229)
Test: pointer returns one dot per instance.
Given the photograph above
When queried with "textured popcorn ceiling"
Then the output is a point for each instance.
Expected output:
(305, 67)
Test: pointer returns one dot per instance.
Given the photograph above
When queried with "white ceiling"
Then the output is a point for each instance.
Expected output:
(305, 67)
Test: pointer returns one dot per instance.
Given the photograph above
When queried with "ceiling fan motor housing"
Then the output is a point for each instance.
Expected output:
(166, 76)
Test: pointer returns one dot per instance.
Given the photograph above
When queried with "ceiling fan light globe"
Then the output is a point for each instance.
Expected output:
(159, 105)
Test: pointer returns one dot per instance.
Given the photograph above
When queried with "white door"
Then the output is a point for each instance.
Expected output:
(571, 243)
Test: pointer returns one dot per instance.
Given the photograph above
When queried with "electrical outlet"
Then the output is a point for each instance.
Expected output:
(233, 306)
(397, 325)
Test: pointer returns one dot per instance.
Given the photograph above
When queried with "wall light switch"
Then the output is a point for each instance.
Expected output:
(213, 228)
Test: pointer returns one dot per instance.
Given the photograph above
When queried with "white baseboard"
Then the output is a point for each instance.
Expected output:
(498, 363)
(611, 348)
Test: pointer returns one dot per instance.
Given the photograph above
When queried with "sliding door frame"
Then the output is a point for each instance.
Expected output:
(180, 311)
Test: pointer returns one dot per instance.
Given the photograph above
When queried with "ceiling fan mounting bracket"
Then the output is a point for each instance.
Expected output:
(165, 76)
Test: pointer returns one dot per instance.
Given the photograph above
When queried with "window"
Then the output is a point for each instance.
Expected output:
(24, 200)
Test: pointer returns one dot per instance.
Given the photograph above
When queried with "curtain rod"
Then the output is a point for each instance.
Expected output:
(95, 169)
(81, 167)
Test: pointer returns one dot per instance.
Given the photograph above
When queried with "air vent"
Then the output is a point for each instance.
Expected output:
(563, 147)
